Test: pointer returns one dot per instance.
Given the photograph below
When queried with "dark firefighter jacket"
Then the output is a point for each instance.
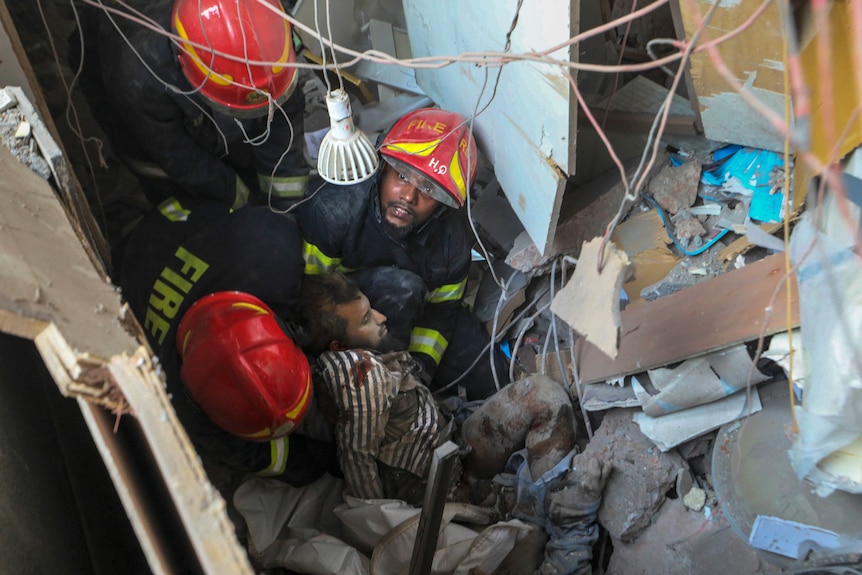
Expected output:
(182, 252)
(343, 229)
(163, 130)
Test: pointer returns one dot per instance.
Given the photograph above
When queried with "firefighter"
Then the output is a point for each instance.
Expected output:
(198, 97)
(403, 238)
(236, 379)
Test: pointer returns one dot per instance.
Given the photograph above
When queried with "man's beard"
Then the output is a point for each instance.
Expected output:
(391, 343)
(398, 232)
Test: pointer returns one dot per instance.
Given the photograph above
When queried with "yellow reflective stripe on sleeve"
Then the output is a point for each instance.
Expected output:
(448, 292)
(279, 450)
(428, 341)
(173, 210)
(283, 187)
(317, 262)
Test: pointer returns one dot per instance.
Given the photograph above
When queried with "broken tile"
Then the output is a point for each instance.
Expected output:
(601, 396)
(670, 430)
(698, 381)
(589, 302)
(645, 240)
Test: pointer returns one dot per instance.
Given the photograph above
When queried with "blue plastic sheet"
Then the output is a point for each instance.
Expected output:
(751, 168)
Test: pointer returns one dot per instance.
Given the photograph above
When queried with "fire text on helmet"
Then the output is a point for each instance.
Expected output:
(420, 124)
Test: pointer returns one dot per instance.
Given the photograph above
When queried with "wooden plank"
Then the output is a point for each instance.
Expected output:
(712, 315)
(46, 273)
(51, 292)
(528, 131)
(755, 58)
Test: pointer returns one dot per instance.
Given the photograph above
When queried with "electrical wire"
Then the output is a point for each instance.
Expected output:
(517, 317)
(576, 378)
(322, 47)
(334, 58)
(676, 242)
(553, 335)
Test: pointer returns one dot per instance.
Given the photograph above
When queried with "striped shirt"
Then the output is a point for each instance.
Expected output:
(384, 414)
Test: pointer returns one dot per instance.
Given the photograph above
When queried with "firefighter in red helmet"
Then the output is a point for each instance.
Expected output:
(205, 104)
(215, 291)
(241, 367)
(402, 237)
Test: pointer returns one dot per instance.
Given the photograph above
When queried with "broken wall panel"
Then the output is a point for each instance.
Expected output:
(732, 308)
(755, 57)
(528, 129)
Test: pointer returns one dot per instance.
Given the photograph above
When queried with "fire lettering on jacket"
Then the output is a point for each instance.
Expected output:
(170, 290)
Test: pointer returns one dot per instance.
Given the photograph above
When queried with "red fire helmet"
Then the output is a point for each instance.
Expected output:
(436, 147)
(236, 52)
(241, 368)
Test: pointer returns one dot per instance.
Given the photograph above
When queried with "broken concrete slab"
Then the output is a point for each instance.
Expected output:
(675, 187)
(641, 476)
(590, 301)
(683, 542)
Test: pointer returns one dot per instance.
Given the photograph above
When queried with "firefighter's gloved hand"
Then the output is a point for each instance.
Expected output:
(242, 192)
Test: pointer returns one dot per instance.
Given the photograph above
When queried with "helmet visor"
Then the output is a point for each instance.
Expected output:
(421, 182)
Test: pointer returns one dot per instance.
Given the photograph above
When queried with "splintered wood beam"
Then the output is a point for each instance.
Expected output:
(52, 293)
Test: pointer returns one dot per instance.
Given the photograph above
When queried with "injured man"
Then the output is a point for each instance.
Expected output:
(387, 425)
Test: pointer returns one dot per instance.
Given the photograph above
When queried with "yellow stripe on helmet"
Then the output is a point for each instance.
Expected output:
(221, 80)
(286, 54)
(303, 401)
(250, 306)
(457, 176)
(414, 148)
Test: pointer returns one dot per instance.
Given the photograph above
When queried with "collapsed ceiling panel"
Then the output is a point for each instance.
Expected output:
(525, 113)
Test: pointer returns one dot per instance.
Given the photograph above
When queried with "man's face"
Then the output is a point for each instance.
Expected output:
(404, 206)
(366, 327)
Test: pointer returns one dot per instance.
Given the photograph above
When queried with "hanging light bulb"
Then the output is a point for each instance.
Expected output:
(346, 156)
